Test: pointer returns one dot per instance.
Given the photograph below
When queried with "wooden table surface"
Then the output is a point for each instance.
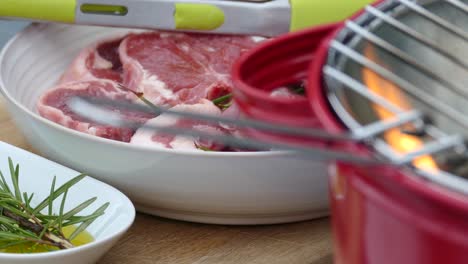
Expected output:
(156, 240)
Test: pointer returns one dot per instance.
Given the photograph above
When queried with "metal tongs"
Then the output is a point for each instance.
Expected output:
(252, 17)
(97, 110)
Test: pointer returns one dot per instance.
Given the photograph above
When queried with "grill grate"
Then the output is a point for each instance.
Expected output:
(349, 47)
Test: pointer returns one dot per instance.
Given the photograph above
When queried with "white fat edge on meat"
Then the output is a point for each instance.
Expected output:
(57, 115)
(185, 47)
(156, 90)
(209, 129)
(165, 35)
(281, 92)
(259, 39)
(78, 70)
(81, 85)
(209, 49)
(186, 142)
(152, 87)
(100, 63)
(172, 34)
(144, 136)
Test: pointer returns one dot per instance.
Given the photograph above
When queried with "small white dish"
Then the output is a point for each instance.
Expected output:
(36, 175)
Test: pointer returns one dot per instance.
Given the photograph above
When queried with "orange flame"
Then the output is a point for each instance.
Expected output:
(401, 142)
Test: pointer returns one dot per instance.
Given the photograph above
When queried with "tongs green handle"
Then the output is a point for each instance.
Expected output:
(255, 17)
(307, 13)
(45, 10)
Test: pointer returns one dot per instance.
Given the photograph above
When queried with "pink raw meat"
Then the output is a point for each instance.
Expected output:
(284, 92)
(146, 137)
(170, 68)
(53, 106)
(98, 61)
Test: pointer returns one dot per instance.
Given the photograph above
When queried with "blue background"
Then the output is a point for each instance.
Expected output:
(8, 29)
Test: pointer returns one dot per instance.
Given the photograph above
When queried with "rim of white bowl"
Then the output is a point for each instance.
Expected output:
(86, 136)
(120, 230)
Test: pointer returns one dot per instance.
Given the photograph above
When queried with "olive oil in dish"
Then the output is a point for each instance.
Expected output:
(82, 238)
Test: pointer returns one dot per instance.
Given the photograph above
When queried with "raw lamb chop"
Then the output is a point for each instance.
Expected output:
(170, 68)
(98, 61)
(53, 106)
(146, 137)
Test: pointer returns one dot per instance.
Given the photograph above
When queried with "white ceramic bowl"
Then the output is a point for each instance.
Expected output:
(36, 175)
(224, 188)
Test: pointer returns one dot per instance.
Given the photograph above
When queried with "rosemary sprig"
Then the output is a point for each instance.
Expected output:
(222, 99)
(21, 223)
(223, 102)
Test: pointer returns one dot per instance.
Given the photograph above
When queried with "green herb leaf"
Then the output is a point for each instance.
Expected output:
(51, 199)
(11, 236)
(44, 230)
(27, 199)
(81, 219)
(4, 184)
(222, 99)
(15, 210)
(62, 206)
(78, 208)
(85, 224)
(58, 192)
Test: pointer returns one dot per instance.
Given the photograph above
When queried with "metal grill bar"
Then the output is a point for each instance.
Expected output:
(446, 179)
(458, 4)
(401, 55)
(377, 128)
(416, 92)
(435, 19)
(431, 148)
(361, 89)
(415, 35)
(368, 131)
(364, 91)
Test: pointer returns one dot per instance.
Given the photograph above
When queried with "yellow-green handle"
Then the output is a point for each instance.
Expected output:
(307, 13)
(48, 10)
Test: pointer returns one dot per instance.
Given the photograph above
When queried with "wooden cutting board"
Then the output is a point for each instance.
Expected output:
(156, 240)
